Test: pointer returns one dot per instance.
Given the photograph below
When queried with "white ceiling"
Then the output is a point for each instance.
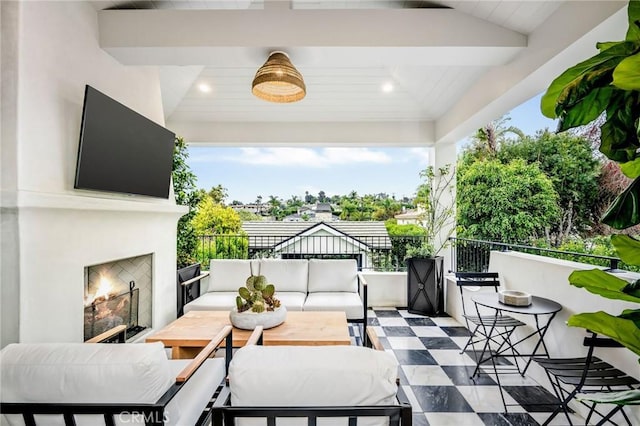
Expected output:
(452, 63)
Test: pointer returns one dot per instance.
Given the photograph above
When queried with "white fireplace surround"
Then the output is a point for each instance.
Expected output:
(50, 231)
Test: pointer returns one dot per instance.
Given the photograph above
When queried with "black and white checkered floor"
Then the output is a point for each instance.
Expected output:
(434, 375)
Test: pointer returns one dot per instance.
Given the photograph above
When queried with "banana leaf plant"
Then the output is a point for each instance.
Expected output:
(624, 328)
(609, 84)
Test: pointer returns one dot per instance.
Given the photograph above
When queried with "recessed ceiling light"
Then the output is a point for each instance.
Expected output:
(387, 87)
(204, 87)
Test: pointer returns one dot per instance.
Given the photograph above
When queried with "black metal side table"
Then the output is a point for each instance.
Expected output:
(543, 310)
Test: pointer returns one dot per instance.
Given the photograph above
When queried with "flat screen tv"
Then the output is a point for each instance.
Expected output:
(122, 151)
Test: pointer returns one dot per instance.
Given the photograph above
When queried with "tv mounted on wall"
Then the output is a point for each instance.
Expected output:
(121, 150)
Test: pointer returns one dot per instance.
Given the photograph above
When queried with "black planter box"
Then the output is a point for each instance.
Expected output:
(425, 282)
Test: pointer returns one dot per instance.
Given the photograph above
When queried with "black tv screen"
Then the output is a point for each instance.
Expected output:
(121, 150)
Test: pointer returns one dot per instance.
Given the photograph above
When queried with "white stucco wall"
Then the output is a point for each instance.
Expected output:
(59, 230)
(386, 289)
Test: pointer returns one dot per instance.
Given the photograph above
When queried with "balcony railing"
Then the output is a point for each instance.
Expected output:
(473, 255)
(372, 252)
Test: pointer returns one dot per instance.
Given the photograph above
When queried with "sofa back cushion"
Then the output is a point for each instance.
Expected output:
(312, 376)
(84, 373)
(333, 275)
(286, 274)
(229, 274)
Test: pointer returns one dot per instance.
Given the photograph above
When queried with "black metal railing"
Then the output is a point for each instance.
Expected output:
(473, 255)
(373, 252)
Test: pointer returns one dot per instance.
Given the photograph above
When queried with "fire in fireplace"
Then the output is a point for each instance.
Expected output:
(118, 292)
(105, 310)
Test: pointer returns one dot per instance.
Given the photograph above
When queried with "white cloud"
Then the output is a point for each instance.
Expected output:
(203, 157)
(422, 154)
(309, 157)
(355, 155)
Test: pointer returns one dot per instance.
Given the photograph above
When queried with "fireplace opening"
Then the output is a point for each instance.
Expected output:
(118, 293)
(108, 311)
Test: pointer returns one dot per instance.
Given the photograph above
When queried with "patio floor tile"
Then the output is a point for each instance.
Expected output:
(435, 376)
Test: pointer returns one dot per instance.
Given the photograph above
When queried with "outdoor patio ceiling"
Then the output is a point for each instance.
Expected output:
(452, 65)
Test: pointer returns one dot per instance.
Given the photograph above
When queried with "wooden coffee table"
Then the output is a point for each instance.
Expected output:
(190, 333)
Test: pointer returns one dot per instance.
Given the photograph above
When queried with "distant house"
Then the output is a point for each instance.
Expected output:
(410, 217)
(251, 208)
(300, 240)
(324, 212)
(321, 212)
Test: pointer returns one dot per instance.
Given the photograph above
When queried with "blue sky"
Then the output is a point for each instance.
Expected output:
(283, 172)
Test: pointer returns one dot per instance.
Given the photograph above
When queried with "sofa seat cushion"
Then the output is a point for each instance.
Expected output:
(229, 274)
(188, 404)
(226, 300)
(62, 372)
(333, 275)
(350, 303)
(312, 375)
(291, 300)
(286, 274)
(213, 301)
(83, 373)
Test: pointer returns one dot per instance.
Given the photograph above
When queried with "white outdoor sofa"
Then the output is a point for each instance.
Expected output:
(304, 385)
(108, 384)
(301, 285)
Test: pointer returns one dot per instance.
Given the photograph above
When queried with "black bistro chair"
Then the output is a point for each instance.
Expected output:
(478, 324)
(581, 376)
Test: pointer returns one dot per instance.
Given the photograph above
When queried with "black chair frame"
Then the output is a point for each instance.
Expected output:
(362, 283)
(477, 324)
(570, 376)
(226, 415)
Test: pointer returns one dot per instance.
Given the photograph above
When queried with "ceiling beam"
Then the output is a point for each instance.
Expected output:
(387, 133)
(163, 32)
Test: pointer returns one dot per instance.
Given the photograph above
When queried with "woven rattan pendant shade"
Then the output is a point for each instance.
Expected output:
(278, 80)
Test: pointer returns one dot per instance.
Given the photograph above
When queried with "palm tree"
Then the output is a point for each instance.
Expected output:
(488, 137)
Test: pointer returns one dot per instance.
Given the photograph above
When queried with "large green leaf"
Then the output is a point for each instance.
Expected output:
(626, 75)
(621, 330)
(631, 168)
(618, 136)
(633, 11)
(625, 209)
(587, 110)
(578, 89)
(577, 81)
(604, 284)
(632, 315)
(627, 248)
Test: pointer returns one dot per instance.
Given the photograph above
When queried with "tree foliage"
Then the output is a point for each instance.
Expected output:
(214, 218)
(569, 162)
(504, 202)
(186, 194)
(488, 139)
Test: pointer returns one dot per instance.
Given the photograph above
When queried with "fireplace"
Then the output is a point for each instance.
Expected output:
(118, 293)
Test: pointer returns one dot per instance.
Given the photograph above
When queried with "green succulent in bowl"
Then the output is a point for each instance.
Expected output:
(257, 295)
